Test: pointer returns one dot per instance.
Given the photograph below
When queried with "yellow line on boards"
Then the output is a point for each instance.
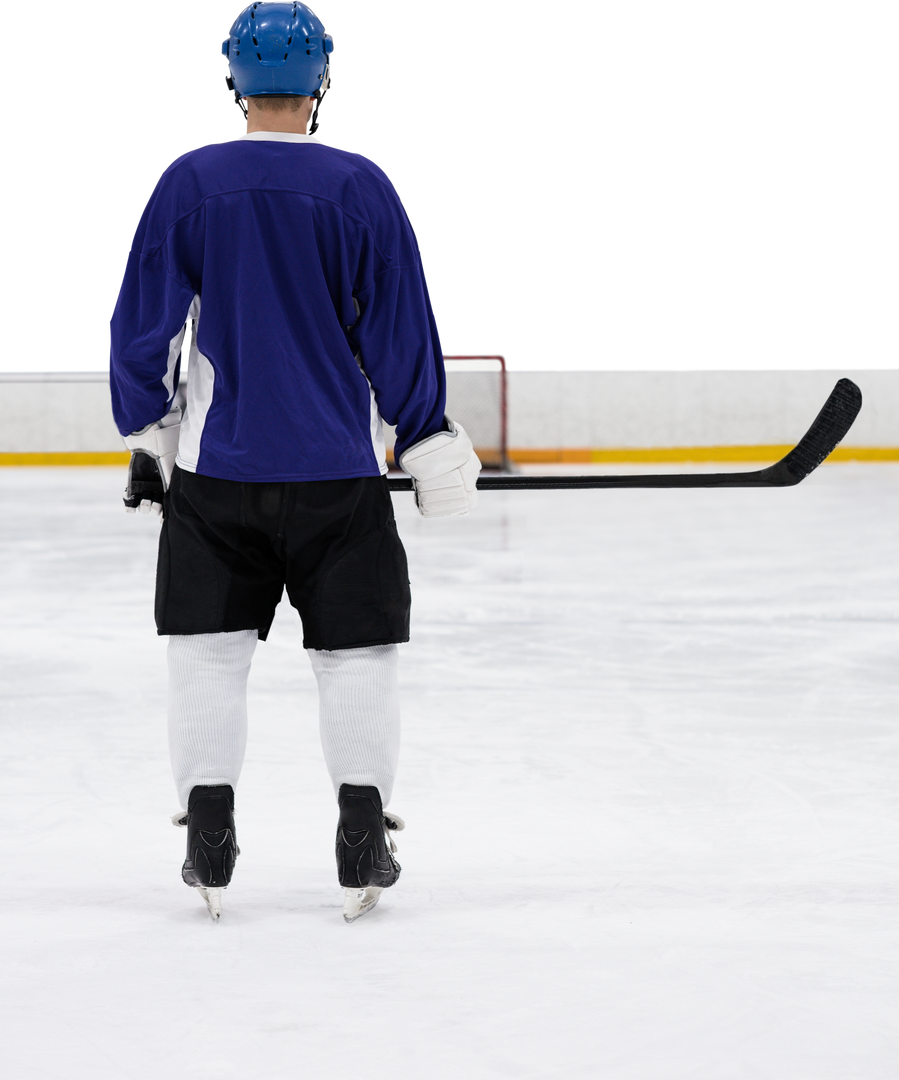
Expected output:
(587, 456)
(114, 457)
(683, 454)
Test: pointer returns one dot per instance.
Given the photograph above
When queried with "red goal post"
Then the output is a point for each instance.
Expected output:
(476, 396)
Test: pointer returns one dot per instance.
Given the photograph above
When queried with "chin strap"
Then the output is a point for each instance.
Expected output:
(316, 119)
(236, 98)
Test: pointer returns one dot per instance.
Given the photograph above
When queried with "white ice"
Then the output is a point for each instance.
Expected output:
(649, 780)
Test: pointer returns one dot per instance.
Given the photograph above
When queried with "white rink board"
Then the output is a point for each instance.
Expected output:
(58, 413)
(660, 409)
(649, 778)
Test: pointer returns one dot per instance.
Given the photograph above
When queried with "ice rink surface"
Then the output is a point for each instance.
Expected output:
(649, 776)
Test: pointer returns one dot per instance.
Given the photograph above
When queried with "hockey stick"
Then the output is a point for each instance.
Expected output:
(829, 427)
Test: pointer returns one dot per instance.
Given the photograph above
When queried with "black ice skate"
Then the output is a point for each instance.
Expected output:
(365, 847)
(211, 843)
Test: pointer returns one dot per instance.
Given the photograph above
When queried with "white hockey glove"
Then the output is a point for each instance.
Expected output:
(153, 450)
(444, 470)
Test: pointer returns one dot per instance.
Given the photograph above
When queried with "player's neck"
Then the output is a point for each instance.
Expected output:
(294, 121)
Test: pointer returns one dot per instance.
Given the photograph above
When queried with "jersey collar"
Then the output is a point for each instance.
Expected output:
(277, 136)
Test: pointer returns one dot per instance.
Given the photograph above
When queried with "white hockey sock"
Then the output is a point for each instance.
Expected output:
(359, 715)
(208, 707)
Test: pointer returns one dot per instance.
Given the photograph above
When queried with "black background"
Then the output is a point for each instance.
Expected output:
(585, 193)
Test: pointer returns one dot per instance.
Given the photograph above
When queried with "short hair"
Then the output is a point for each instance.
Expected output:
(279, 102)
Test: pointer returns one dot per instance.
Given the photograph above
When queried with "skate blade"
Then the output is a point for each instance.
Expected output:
(356, 902)
(213, 899)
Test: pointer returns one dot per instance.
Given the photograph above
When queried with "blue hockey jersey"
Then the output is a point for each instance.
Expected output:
(298, 272)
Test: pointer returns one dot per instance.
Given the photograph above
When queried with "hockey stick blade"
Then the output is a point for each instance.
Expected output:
(827, 430)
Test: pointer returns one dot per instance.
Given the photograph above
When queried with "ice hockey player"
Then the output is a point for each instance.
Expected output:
(299, 275)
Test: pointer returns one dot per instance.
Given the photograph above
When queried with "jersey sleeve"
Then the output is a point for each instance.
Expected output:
(161, 283)
(395, 331)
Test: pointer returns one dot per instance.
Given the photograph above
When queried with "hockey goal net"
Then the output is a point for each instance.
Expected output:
(476, 397)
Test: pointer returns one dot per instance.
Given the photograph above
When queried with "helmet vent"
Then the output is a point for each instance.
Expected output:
(258, 57)
(255, 42)
(288, 40)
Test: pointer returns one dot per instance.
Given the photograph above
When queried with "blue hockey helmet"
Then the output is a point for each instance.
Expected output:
(277, 49)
